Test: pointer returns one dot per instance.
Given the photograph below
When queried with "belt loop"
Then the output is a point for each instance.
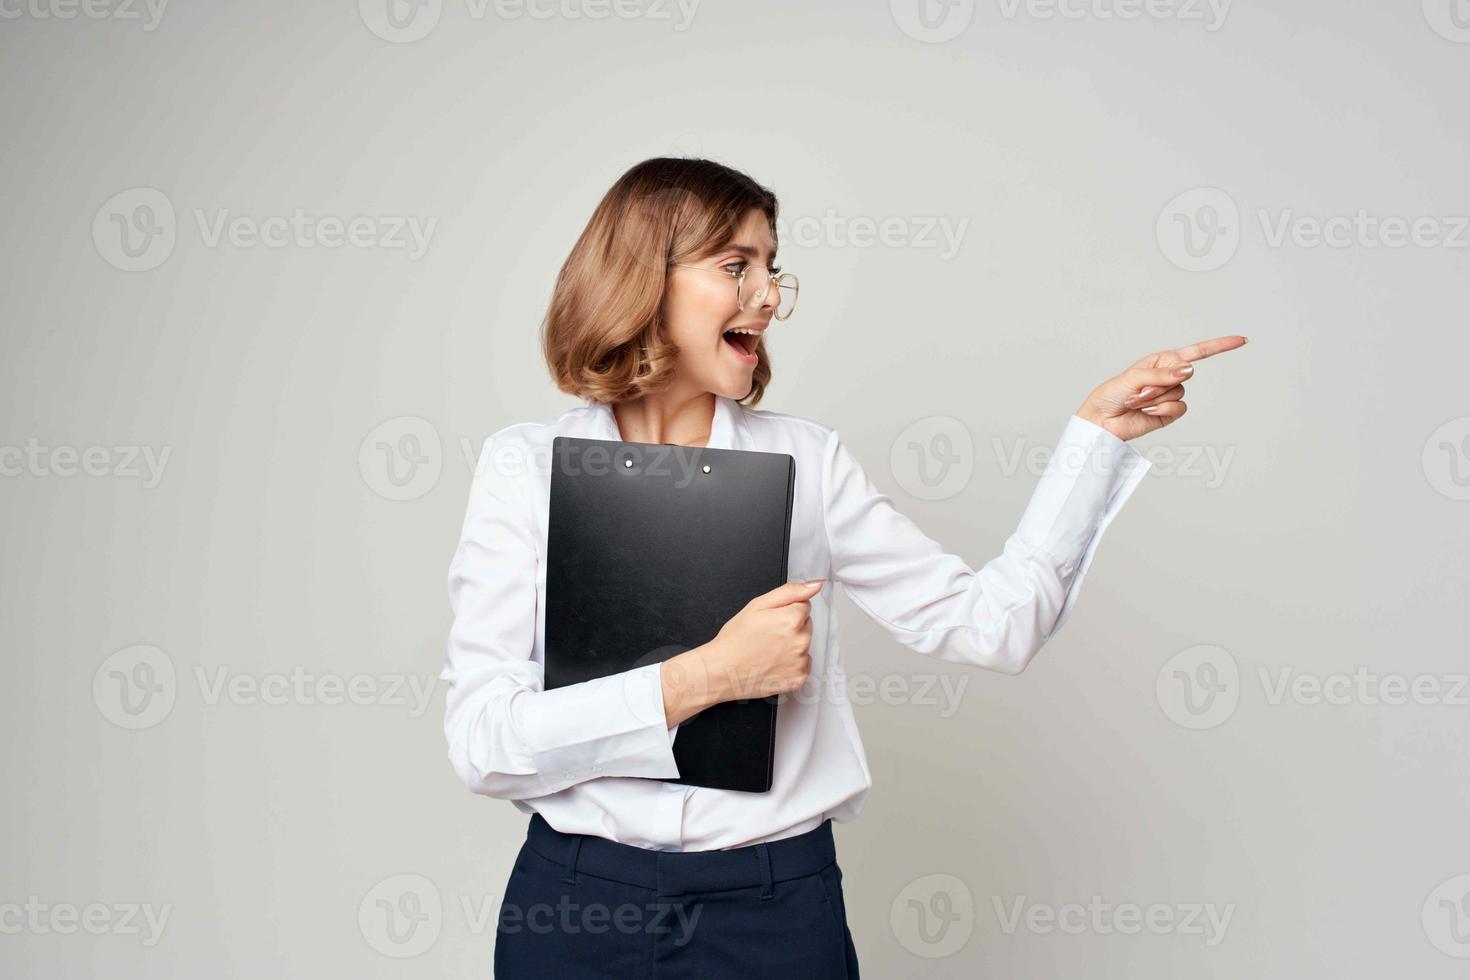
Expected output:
(572, 854)
(762, 853)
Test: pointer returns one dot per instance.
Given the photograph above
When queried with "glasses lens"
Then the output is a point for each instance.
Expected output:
(758, 282)
(786, 282)
(753, 286)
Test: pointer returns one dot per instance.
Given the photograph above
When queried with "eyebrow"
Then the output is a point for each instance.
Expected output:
(748, 252)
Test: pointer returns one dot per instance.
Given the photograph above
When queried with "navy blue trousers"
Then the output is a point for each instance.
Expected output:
(583, 906)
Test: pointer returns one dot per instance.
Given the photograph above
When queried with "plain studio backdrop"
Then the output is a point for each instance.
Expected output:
(274, 271)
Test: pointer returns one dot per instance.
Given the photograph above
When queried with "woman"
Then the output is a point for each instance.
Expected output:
(658, 322)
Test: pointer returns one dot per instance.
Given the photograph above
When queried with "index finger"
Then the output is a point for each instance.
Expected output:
(1209, 348)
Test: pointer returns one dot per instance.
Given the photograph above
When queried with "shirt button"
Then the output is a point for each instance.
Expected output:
(597, 769)
(568, 774)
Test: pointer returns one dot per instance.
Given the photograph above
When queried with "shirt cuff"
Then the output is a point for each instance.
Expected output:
(610, 726)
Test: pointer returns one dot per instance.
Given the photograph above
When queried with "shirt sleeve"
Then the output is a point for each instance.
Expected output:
(508, 737)
(999, 616)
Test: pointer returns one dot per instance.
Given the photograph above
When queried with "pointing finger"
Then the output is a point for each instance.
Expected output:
(1209, 348)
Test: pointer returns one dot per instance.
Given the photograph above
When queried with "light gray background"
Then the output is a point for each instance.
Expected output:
(1329, 538)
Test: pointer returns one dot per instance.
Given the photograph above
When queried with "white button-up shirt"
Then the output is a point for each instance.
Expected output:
(572, 753)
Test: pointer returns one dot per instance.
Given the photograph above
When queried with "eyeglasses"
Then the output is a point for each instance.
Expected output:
(750, 290)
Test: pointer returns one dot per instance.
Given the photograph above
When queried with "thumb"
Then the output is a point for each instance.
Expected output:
(786, 594)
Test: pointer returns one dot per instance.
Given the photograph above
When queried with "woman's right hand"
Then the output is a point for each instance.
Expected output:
(761, 650)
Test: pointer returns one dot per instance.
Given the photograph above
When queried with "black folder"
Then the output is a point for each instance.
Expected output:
(650, 550)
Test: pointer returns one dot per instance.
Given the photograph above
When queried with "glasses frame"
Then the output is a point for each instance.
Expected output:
(785, 279)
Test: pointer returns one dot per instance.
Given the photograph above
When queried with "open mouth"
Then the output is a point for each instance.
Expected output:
(743, 343)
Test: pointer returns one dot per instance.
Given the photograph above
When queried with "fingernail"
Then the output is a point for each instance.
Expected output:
(1151, 410)
(814, 581)
(1184, 372)
(1142, 394)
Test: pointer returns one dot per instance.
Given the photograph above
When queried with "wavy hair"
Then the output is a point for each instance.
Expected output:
(602, 336)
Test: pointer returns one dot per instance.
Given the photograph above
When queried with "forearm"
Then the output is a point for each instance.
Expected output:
(508, 739)
(692, 681)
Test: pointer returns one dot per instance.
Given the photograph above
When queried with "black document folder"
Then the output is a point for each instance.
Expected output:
(651, 549)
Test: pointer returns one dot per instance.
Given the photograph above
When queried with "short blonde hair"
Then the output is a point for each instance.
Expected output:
(601, 336)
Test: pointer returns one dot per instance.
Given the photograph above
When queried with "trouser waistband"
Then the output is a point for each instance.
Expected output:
(685, 872)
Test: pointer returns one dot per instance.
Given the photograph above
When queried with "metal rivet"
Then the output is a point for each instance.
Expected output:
(706, 467)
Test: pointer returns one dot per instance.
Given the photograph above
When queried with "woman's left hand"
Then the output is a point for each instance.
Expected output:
(1149, 395)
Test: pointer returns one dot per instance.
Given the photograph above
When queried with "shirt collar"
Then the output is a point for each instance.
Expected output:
(727, 431)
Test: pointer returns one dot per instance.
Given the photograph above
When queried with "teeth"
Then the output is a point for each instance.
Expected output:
(744, 330)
